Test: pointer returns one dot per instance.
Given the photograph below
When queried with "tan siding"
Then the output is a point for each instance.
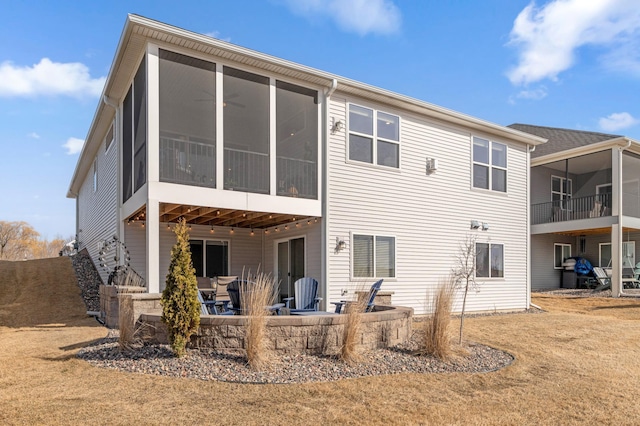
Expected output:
(428, 214)
(97, 211)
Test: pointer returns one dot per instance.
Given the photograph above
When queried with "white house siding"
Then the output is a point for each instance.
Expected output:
(135, 238)
(313, 243)
(543, 275)
(97, 211)
(428, 214)
(245, 250)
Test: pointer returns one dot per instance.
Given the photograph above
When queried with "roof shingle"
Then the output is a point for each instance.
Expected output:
(561, 139)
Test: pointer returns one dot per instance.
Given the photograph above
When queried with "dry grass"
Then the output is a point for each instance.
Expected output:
(436, 340)
(253, 301)
(349, 350)
(576, 364)
(127, 329)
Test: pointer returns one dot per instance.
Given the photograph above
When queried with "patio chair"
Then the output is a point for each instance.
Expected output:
(370, 298)
(207, 307)
(236, 287)
(306, 296)
(629, 279)
(604, 281)
(222, 298)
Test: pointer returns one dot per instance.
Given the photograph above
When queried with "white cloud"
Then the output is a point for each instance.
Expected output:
(34, 135)
(359, 16)
(617, 121)
(216, 34)
(73, 145)
(547, 37)
(49, 78)
(533, 94)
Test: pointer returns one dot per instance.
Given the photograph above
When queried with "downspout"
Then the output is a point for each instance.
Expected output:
(325, 191)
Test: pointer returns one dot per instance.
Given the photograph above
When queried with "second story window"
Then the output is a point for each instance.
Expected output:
(489, 165)
(561, 191)
(374, 137)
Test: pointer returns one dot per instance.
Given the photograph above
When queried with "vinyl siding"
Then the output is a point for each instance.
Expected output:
(543, 274)
(429, 215)
(313, 242)
(97, 211)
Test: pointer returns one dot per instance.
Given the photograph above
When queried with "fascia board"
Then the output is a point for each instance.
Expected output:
(587, 149)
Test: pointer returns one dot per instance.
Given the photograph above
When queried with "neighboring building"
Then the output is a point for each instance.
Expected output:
(297, 172)
(585, 195)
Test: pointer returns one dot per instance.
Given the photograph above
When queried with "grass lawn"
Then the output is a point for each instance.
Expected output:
(578, 363)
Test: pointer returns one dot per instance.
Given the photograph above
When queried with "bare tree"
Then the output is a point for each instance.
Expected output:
(464, 271)
(17, 239)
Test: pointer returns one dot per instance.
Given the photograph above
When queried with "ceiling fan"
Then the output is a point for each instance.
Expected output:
(227, 100)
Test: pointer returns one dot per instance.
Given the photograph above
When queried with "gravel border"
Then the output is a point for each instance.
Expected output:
(209, 364)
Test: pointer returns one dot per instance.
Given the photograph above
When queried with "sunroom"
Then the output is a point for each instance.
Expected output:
(235, 153)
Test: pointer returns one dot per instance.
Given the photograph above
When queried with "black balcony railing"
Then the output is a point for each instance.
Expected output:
(588, 207)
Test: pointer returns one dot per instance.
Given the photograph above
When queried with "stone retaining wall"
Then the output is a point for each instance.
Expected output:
(315, 334)
(110, 302)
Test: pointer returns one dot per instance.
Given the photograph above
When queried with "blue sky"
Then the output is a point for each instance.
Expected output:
(562, 63)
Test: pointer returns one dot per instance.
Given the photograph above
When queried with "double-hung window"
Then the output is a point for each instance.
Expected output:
(373, 256)
(489, 165)
(561, 252)
(374, 137)
(561, 191)
(489, 260)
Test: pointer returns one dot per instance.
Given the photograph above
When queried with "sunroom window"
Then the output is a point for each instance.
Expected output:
(374, 137)
(187, 120)
(297, 141)
(246, 131)
(489, 165)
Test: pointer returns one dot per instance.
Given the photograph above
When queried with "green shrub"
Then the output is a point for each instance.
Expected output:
(180, 306)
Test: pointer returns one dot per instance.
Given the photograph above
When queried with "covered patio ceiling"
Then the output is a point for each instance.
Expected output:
(594, 231)
(210, 216)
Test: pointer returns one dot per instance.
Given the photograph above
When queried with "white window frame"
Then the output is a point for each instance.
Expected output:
(625, 249)
(95, 175)
(204, 251)
(504, 266)
(555, 260)
(375, 236)
(374, 137)
(564, 195)
(491, 166)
